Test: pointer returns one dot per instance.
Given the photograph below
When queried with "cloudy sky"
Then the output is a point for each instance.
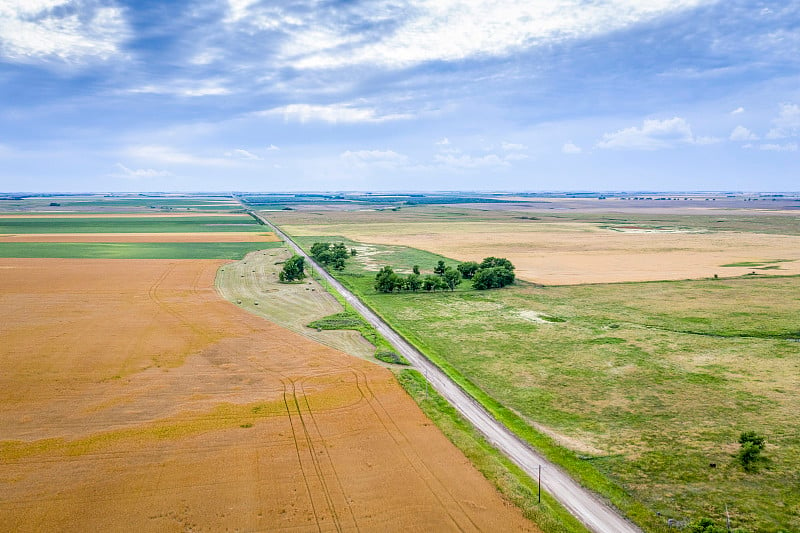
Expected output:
(126, 95)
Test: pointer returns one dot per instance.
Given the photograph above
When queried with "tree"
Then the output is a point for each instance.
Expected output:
(415, 269)
(413, 282)
(439, 268)
(493, 273)
(386, 280)
(468, 269)
(750, 451)
(706, 525)
(353, 252)
(292, 269)
(452, 278)
(321, 251)
(333, 255)
(431, 283)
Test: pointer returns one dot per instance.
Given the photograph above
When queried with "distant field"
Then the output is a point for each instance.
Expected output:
(141, 224)
(648, 383)
(116, 203)
(557, 253)
(207, 236)
(133, 250)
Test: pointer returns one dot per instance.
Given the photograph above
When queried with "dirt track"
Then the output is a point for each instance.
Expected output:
(133, 398)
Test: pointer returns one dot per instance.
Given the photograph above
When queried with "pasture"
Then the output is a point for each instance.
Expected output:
(648, 384)
(560, 253)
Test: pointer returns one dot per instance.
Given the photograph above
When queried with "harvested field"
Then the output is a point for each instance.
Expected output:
(133, 398)
(575, 253)
(141, 237)
(138, 214)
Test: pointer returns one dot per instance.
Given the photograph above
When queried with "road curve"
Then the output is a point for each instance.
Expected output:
(596, 515)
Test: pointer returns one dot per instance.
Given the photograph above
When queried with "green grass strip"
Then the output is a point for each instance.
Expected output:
(142, 224)
(132, 250)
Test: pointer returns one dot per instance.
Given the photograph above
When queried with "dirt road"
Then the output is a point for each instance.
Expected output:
(583, 504)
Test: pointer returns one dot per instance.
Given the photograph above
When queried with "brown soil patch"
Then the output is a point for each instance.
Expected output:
(222, 236)
(573, 253)
(132, 397)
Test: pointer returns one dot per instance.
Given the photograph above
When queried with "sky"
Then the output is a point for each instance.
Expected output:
(388, 95)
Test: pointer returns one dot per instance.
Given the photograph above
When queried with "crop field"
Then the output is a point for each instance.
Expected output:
(125, 384)
(559, 253)
(127, 224)
(116, 204)
(647, 383)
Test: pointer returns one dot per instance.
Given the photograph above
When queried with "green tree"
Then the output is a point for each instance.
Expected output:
(439, 268)
(413, 282)
(387, 281)
(491, 262)
(353, 252)
(415, 269)
(452, 278)
(321, 251)
(293, 269)
(750, 451)
(432, 283)
(492, 278)
(706, 525)
(468, 269)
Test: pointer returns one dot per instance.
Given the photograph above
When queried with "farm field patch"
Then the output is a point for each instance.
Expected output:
(140, 224)
(123, 394)
(132, 250)
(563, 253)
(204, 237)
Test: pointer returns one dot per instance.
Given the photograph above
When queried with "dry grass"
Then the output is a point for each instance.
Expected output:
(575, 253)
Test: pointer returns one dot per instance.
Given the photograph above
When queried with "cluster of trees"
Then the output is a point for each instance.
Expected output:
(293, 269)
(388, 281)
(331, 255)
(491, 273)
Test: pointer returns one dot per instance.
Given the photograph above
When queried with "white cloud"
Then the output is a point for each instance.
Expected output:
(168, 155)
(654, 135)
(379, 158)
(511, 147)
(240, 153)
(184, 88)
(740, 133)
(272, 148)
(66, 31)
(451, 30)
(444, 141)
(737, 111)
(773, 147)
(571, 148)
(460, 160)
(139, 173)
(334, 113)
(787, 124)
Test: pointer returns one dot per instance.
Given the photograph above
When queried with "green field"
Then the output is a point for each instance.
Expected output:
(133, 250)
(143, 224)
(96, 203)
(644, 385)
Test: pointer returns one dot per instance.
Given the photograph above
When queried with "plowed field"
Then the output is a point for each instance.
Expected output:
(133, 398)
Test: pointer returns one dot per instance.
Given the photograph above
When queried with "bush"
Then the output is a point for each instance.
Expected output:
(292, 269)
(750, 451)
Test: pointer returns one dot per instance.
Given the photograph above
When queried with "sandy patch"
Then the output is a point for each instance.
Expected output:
(573, 253)
(132, 397)
(222, 236)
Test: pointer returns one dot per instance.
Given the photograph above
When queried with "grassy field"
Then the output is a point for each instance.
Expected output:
(96, 203)
(133, 250)
(143, 224)
(647, 384)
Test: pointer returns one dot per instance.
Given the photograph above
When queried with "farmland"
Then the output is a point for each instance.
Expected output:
(127, 224)
(648, 384)
(127, 383)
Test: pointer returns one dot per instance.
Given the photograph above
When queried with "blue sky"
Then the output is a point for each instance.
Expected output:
(114, 95)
